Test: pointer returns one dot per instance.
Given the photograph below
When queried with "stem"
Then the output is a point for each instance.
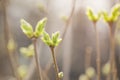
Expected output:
(7, 37)
(37, 59)
(88, 57)
(48, 66)
(55, 63)
(14, 65)
(112, 53)
(98, 60)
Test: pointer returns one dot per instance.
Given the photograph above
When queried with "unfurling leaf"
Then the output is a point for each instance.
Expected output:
(27, 51)
(106, 69)
(22, 71)
(90, 72)
(54, 41)
(11, 45)
(40, 27)
(26, 28)
(92, 16)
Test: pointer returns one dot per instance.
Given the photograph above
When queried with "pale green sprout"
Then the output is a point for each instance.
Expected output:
(42, 7)
(22, 71)
(11, 45)
(40, 27)
(60, 75)
(83, 77)
(28, 30)
(93, 17)
(27, 51)
(114, 14)
(64, 18)
(106, 69)
(90, 72)
(52, 42)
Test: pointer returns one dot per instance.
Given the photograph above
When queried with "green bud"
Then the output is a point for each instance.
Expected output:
(83, 77)
(55, 38)
(60, 75)
(22, 71)
(46, 39)
(27, 51)
(51, 42)
(90, 72)
(11, 45)
(26, 28)
(64, 18)
(92, 16)
(106, 69)
(40, 27)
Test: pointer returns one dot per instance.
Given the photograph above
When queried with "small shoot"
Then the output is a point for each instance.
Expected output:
(91, 16)
(64, 18)
(90, 72)
(40, 27)
(28, 30)
(27, 51)
(113, 16)
(106, 69)
(33, 35)
(51, 42)
(60, 75)
(22, 71)
(11, 45)
(83, 77)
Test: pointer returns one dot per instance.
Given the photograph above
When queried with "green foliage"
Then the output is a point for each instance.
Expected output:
(90, 72)
(28, 30)
(52, 42)
(64, 18)
(22, 71)
(83, 77)
(106, 69)
(11, 45)
(60, 75)
(92, 16)
(40, 27)
(114, 14)
(27, 51)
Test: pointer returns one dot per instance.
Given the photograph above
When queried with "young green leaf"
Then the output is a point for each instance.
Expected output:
(11, 45)
(40, 27)
(55, 37)
(51, 42)
(22, 71)
(92, 16)
(27, 51)
(26, 28)
(46, 39)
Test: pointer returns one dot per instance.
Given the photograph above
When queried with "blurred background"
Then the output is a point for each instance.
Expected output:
(68, 17)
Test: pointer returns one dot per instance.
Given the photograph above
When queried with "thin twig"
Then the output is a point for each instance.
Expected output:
(55, 63)
(98, 56)
(48, 66)
(7, 37)
(88, 57)
(37, 59)
(112, 52)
